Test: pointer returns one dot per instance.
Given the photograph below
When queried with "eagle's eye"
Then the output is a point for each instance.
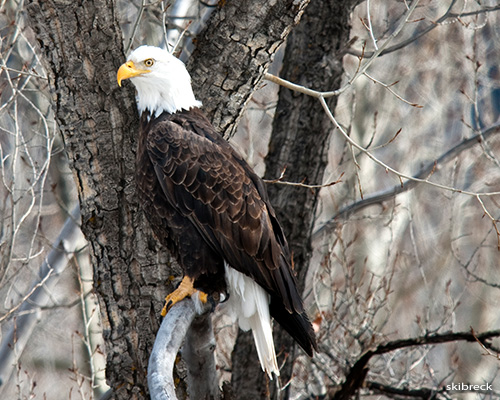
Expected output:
(149, 62)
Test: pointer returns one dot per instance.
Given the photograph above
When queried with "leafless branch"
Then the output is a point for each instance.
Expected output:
(201, 366)
(419, 177)
(484, 347)
(69, 240)
(434, 24)
(392, 170)
(361, 70)
(136, 26)
(389, 88)
(421, 393)
(356, 376)
(302, 184)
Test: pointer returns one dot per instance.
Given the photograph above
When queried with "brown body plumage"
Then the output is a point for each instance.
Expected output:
(208, 207)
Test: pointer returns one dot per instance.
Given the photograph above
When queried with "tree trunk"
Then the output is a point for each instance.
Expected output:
(82, 48)
(299, 142)
(233, 53)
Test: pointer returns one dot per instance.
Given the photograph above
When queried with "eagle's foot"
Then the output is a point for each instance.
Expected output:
(184, 290)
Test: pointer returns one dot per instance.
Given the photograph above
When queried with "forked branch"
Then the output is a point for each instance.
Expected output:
(356, 376)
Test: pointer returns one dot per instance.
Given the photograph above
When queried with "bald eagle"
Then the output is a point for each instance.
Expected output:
(209, 208)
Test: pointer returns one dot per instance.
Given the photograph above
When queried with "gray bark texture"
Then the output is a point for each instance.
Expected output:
(234, 51)
(299, 143)
(198, 353)
(182, 321)
(81, 47)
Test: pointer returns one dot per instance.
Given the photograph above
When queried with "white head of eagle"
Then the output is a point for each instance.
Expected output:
(161, 80)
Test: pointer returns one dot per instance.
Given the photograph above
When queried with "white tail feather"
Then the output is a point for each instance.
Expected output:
(249, 304)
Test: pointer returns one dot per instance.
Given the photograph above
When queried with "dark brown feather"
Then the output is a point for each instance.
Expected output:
(207, 206)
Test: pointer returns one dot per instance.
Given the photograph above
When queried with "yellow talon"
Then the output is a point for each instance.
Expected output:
(184, 290)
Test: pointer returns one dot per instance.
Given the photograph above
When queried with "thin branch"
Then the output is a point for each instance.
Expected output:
(422, 393)
(438, 338)
(370, 28)
(361, 68)
(434, 24)
(486, 349)
(302, 184)
(427, 393)
(420, 176)
(179, 39)
(24, 300)
(70, 239)
(136, 26)
(388, 87)
(493, 220)
(164, 24)
(24, 73)
(392, 170)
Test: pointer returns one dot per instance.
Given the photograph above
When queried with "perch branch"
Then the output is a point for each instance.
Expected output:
(199, 348)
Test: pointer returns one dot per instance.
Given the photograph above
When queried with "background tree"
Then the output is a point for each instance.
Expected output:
(411, 129)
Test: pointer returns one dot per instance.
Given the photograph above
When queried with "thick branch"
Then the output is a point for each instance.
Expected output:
(181, 323)
(168, 341)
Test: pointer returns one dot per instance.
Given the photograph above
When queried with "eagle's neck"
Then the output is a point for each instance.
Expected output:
(165, 95)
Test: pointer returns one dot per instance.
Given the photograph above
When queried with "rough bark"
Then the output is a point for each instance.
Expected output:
(233, 53)
(299, 142)
(81, 45)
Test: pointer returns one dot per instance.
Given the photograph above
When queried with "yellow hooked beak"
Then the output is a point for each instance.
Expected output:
(129, 70)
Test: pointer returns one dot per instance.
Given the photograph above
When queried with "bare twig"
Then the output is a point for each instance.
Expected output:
(392, 170)
(179, 39)
(136, 26)
(164, 24)
(434, 24)
(69, 240)
(419, 177)
(486, 349)
(370, 28)
(388, 87)
(302, 184)
(493, 220)
(360, 71)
